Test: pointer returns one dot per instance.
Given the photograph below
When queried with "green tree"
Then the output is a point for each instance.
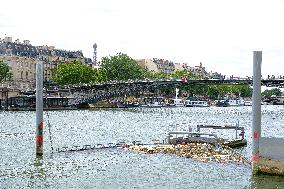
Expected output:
(275, 91)
(160, 75)
(74, 72)
(121, 67)
(149, 74)
(98, 75)
(4, 71)
(216, 91)
(243, 90)
(179, 74)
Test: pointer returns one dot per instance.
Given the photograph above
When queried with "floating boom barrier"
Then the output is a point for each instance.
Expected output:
(90, 147)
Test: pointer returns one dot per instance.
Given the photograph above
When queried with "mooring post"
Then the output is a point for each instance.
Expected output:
(6, 93)
(39, 108)
(256, 109)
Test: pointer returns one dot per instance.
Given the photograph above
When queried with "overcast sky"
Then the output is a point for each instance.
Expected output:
(222, 34)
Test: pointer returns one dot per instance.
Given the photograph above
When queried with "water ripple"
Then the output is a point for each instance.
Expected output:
(117, 168)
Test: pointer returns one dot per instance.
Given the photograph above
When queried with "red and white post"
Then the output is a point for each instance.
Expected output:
(39, 108)
(256, 109)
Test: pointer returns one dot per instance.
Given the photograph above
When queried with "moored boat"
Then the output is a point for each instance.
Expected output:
(230, 102)
(248, 103)
(193, 102)
(178, 102)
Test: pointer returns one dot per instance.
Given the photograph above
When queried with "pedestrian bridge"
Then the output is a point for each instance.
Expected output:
(91, 93)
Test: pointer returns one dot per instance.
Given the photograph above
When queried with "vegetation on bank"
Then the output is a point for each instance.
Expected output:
(5, 73)
(218, 91)
(272, 92)
(75, 72)
(121, 67)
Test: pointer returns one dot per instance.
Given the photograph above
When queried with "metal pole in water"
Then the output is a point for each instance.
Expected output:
(256, 109)
(39, 108)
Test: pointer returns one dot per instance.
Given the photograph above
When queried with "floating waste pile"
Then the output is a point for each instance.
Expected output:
(200, 151)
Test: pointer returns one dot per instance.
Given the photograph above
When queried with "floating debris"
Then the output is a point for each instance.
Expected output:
(199, 151)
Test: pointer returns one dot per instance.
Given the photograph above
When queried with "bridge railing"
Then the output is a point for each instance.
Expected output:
(115, 89)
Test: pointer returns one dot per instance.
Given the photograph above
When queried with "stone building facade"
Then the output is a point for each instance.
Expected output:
(180, 67)
(164, 66)
(22, 58)
(157, 65)
(22, 69)
(197, 70)
(148, 65)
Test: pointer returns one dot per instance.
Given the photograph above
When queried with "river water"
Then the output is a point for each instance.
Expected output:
(119, 168)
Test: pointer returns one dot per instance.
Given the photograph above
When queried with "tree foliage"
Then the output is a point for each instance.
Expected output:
(75, 72)
(218, 91)
(179, 74)
(4, 71)
(269, 93)
(121, 67)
